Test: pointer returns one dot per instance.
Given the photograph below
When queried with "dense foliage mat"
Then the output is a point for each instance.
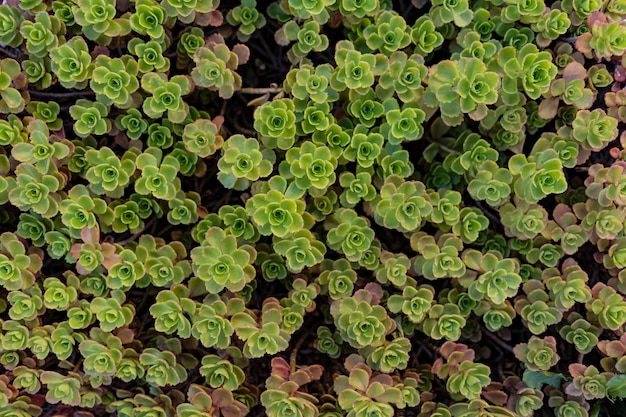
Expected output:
(304, 208)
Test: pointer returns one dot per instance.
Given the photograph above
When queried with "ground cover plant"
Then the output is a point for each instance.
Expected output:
(303, 208)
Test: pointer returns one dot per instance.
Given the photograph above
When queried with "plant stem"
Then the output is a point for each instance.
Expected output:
(497, 341)
(251, 90)
(68, 94)
(294, 353)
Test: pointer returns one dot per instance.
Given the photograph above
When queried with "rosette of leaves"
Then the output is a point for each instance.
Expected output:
(526, 69)
(132, 123)
(303, 295)
(587, 382)
(202, 138)
(25, 305)
(491, 184)
(364, 147)
(57, 295)
(36, 189)
(478, 407)
(243, 160)
(308, 82)
(360, 321)
(538, 354)
(210, 324)
(237, 223)
(437, 258)
(166, 96)
(148, 19)
(536, 310)
(446, 11)
(162, 368)
(191, 38)
(308, 39)
(523, 220)
(355, 10)
(605, 223)
(11, 101)
(220, 263)
(11, 19)
(566, 230)
(300, 250)
(275, 123)
(607, 307)
(444, 321)
(414, 303)
(111, 312)
(221, 372)
(37, 71)
(42, 149)
(183, 208)
(46, 112)
(71, 63)
(594, 129)
(537, 176)
(42, 34)
(12, 131)
(579, 332)
(114, 80)
(403, 124)
(465, 86)
(215, 69)
(425, 36)
(402, 205)
(463, 376)
(158, 175)
(81, 210)
(205, 401)
(187, 12)
(388, 34)
(550, 26)
(149, 54)
(495, 317)
(316, 117)
(328, 342)
(607, 185)
(98, 22)
(312, 168)
(568, 286)
(567, 149)
(337, 278)
(476, 152)
(349, 234)
(164, 264)
(496, 279)
(107, 173)
(446, 208)
(247, 18)
(264, 336)
(604, 38)
(389, 357)
(404, 77)
(102, 353)
(14, 336)
(363, 392)
(356, 71)
(284, 395)
(169, 311)
(90, 118)
(471, 223)
(63, 389)
(275, 211)
(393, 269)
